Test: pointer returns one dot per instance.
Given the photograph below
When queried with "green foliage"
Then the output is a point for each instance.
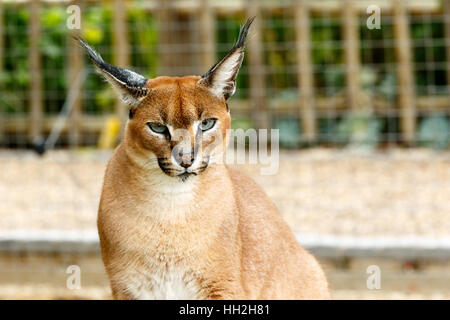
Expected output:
(289, 130)
(359, 129)
(326, 36)
(327, 54)
(434, 131)
(96, 29)
(95, 23)
(277, 32)
(15, 78)
(241, 123)
(143, 40)
(429, 48)
(327, 129)
(54, 34)
(388, 87)
(334, 79)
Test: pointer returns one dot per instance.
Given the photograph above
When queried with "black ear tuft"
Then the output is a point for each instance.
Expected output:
(243, 33)
(129, 84)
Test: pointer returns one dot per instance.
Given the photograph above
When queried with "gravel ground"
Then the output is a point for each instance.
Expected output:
(46, 292)
(318, 191)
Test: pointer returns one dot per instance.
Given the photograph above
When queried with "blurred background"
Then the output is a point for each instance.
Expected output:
(360, 91)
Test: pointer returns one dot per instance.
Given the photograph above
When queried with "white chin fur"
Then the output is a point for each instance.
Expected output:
(157, 180)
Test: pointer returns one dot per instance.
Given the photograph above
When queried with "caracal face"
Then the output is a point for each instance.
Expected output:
(180, 126)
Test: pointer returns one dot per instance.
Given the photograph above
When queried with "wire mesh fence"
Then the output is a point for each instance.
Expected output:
(331, 72)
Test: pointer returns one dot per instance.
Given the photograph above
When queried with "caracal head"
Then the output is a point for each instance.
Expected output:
(177, 125)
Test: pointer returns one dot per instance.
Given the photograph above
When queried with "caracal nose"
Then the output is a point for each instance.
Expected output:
(185, 159)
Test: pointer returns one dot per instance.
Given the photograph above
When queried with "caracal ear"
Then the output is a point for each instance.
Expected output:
(221, 78)
(128, 84)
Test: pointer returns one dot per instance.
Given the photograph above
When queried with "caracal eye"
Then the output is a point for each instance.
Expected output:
(157, 127)
(207, 124)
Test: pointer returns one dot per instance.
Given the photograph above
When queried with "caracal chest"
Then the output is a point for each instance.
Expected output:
(172, 284)
(155, 237)
(159, 266)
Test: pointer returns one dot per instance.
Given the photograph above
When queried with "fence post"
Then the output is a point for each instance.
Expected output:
(36, 114)
(76, 64)
(305, 73)
(164, 37)
(404, 72)
(351, 51)
(207, 35)
(256, 72)
(121, 48)
(184, 36)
